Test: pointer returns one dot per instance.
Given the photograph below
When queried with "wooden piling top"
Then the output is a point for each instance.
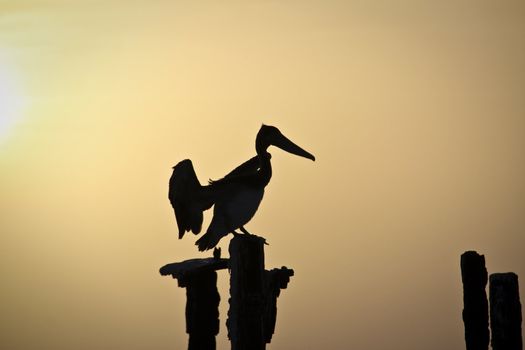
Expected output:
(187, 268)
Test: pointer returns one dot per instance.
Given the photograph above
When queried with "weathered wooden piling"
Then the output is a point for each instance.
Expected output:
(275, 280)
(475, 304)
(199, 277)
(505, 311)
(245, 316)
(253, 294)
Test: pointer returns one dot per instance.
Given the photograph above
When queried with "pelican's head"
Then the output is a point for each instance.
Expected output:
(270, 135)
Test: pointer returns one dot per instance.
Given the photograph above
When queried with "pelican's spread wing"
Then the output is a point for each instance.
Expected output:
(188, 198)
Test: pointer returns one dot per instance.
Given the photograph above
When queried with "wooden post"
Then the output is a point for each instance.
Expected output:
(475, 309)
(505, 311)
(253, 294)
(199, 277)
(245, 317)
(202, 310)
(275, 280)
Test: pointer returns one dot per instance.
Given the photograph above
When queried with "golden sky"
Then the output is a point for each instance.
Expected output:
(415, 111)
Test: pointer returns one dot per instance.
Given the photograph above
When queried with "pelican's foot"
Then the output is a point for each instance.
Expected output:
(243, 230)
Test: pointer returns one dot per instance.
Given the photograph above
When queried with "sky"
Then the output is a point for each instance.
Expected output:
(415, 111)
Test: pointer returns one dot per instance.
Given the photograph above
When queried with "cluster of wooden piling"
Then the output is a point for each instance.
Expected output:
(505, 307)
(253, 295)
(254, 292)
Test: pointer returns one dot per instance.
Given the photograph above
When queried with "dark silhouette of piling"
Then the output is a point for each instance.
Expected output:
(253, 294)
(505, 311)
(275, 280)
(199, 277)
(245, 317)
(202, 310)
(475, 304)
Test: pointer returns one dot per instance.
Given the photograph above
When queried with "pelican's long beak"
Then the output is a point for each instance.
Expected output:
(287, 145)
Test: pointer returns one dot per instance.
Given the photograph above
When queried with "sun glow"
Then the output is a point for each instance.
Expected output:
(11, 98)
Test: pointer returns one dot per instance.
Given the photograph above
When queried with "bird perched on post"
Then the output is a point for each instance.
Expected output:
(235, 197)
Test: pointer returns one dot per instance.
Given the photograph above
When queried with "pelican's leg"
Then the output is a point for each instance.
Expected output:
(243, 230)
(230, 227)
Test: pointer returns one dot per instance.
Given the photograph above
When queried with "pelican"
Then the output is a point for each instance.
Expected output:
(235, 197)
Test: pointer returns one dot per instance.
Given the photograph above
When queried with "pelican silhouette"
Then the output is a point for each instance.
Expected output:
(235, 197)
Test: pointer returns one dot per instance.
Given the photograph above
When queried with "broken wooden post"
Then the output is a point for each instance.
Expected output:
(253, 294)
(199, 277)
(275, 280)
(505, 311)
(475, 304)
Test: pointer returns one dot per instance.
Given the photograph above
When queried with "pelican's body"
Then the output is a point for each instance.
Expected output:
(236, 210)
(236, 197)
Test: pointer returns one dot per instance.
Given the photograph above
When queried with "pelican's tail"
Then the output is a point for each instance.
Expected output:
(208, 241)
(213, 235)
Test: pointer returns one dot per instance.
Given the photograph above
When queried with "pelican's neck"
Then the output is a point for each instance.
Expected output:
(261, 145)
(265, 171)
